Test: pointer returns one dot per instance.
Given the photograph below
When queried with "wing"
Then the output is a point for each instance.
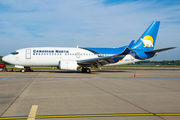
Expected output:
(96, 62)
(100, 61)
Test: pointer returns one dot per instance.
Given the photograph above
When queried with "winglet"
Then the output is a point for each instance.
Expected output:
(128, 48)
(131, 44)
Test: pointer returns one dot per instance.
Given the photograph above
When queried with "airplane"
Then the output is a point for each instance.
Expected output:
(66, 58)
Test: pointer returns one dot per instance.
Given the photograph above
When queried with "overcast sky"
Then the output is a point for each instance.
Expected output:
(87, 23)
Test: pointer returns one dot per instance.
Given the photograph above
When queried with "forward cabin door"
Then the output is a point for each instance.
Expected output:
(28, 53)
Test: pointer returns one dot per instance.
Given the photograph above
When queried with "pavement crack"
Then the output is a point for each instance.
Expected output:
(121, 98)
(18, 96)
(117, 97)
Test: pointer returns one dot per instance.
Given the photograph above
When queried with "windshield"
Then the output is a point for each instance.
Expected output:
(15, 53)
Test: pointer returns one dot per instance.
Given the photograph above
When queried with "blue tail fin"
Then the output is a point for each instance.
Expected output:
(147, 41)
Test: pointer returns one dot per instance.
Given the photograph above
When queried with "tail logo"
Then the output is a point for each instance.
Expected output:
(147, 41)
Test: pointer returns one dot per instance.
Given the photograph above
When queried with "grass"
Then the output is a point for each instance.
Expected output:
(106, 68)
(121, 67)
(168, 66)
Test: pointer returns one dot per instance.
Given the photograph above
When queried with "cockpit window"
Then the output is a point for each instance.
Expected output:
(15, 53)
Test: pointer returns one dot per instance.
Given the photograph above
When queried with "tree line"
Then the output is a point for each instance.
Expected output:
(164, 62)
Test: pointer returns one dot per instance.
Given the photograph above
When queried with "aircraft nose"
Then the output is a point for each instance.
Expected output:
(5, 58)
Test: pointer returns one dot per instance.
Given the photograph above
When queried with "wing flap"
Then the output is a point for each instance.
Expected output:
(108, 59)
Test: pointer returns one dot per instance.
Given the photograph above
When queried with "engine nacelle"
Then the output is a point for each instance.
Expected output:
(68, 65)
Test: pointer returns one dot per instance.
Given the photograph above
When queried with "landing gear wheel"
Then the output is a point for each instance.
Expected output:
(83, 70)
(23, 70)
(86, 70)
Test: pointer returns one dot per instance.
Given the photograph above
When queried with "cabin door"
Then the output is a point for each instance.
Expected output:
(28, 53)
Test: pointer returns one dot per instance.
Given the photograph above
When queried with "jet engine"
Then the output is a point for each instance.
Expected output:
(68, 65)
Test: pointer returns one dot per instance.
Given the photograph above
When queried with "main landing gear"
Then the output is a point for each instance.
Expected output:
(86, 70)
(26, 69)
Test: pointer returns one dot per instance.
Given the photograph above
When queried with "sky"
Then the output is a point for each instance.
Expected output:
(88, 23)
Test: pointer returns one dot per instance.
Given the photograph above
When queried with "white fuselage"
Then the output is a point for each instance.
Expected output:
(50, 56)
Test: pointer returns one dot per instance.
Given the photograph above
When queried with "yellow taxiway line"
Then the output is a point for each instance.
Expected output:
(92, 115)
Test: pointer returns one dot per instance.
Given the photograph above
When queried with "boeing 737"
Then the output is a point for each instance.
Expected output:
(66, 58)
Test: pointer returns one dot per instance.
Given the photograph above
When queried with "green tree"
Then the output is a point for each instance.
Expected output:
(1, 59)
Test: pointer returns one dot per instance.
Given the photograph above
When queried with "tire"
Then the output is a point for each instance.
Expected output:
(83, 70)
(88, 70)
(22, 70)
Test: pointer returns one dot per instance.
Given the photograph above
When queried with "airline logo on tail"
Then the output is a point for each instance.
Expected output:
(148, 41)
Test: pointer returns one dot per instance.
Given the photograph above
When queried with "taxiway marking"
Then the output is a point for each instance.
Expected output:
(32, 113)
(90, 115)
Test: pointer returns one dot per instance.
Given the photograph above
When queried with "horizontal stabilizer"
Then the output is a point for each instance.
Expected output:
(160, 50)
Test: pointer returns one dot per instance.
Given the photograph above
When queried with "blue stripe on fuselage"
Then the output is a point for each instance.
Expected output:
(106, 50)
(134, 53)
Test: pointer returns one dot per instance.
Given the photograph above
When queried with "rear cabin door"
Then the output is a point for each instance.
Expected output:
(28, 53)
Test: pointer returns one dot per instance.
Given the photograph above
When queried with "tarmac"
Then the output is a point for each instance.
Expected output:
(100, 95)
